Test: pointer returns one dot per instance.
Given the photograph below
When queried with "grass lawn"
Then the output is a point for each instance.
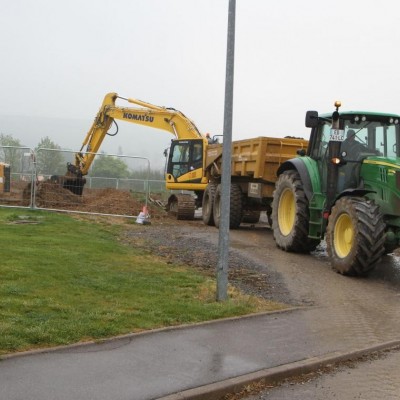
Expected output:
(65, 280)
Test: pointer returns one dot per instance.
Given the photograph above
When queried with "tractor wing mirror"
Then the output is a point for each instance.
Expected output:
(311, 119)
(301, 152)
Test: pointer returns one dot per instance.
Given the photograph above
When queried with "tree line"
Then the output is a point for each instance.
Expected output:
(55, 162)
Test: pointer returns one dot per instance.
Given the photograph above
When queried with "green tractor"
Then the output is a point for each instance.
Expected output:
(345, 188)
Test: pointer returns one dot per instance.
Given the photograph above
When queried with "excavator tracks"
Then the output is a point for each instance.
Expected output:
(182, 206)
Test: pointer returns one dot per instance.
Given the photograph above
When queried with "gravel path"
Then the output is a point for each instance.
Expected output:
(194, 244)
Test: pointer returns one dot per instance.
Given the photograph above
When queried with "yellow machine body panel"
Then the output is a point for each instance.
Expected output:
(257, 158)
(5, 178)
(261, 157)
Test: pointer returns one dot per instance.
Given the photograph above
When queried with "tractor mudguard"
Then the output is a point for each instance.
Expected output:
(357, 192)
(299, 165)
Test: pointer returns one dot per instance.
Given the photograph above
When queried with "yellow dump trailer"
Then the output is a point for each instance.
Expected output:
(258, 159)
(253, 175)
(4, 178)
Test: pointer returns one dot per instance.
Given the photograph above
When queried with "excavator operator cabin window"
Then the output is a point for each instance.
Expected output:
(197, 157)
(180, 159)
(181, 153)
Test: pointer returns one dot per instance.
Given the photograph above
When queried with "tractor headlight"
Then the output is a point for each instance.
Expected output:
(336, 160)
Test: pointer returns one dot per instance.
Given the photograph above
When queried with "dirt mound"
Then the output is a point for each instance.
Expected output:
(52, 195)
(105, 201)
(119, 202)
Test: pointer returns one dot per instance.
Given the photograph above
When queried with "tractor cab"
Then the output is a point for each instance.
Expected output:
(343, 141)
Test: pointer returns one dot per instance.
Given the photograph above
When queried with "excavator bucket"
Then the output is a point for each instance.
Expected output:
(74, 184)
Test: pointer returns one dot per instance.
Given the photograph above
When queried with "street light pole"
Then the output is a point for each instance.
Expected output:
(223, 244)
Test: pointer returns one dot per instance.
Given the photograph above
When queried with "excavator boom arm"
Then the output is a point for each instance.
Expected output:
(167, 119)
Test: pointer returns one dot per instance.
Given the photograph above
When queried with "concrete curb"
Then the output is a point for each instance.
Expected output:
(216, 391)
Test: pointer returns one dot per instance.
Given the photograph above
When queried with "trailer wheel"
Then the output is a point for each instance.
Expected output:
(290, 215)
(355, 236)
(235, 214)
(207, 204)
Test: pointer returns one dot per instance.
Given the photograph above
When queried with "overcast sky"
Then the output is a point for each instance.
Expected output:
(59, 59)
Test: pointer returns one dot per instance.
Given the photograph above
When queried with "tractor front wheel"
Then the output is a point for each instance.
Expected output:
(355, 236)
(290, 215)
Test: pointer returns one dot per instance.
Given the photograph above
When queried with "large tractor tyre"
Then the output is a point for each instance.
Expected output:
(208, 203)
(355, 236)
(236, 212)
(290, 215)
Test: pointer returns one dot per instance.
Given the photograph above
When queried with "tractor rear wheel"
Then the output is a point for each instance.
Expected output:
(290, 215)
(236, 212)
(207, 204)
(355, 236)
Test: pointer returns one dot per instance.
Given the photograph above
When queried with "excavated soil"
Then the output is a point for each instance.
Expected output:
(105, 201)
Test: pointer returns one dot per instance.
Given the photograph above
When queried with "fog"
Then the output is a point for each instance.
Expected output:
(59, 59)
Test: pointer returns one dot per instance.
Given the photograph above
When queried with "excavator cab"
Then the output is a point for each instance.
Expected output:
(185, 156)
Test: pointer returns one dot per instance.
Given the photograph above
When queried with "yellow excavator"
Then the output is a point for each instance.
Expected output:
(185, 167)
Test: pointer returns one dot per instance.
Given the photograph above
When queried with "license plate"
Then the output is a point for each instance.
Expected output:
(336, 135)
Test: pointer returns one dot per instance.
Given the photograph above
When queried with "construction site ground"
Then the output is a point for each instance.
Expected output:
(49, 195)
(336, 326)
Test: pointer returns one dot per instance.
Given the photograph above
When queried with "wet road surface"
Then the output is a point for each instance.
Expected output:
(358, 310)
(366, 380)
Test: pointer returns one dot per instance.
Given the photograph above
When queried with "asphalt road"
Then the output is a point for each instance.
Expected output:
(370, 379)
(362, 308)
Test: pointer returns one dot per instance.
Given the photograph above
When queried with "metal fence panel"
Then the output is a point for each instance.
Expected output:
(21, 161)
(38, 176)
